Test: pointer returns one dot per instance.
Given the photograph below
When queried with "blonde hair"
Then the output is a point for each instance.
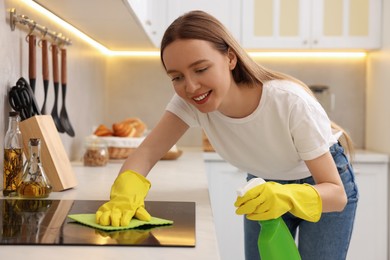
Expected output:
(202, 26)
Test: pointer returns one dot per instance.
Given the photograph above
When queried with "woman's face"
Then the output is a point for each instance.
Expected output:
(200, 74)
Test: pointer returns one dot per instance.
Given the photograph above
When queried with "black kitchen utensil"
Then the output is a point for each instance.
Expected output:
(65, 122)
(45, 73)
(54, 111)
(20, 101)
(21, 98)
(32, 73)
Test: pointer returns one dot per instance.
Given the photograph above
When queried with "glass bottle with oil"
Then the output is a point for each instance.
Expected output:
(35, 183)
(13, 156)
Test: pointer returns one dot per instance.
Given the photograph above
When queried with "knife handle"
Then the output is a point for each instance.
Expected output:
(45, 60)
(32, 56)
(54, 51)
(63, 66)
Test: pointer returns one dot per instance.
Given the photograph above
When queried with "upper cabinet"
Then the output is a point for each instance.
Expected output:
(307, 24)
(156, 15)
(152, 16)
(275, 24)
(349, 24)
(228, 12)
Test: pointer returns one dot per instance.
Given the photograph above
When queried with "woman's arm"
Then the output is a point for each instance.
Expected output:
(328, 183)
(156, 144)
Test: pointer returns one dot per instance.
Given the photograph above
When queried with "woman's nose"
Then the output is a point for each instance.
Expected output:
(191, 85)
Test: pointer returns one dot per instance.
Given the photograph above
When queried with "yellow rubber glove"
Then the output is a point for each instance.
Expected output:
(271, 200)
(126, 201)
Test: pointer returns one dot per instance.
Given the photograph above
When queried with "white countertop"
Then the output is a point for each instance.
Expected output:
(366, 156)
(360, 156)
(183, 179)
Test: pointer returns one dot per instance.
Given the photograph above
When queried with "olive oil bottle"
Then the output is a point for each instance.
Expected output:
(13, 156)
(35, 183)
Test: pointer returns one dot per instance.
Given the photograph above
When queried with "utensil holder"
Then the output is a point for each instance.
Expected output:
(54, 159)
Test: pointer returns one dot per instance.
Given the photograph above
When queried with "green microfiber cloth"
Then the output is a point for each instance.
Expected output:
(90, 220)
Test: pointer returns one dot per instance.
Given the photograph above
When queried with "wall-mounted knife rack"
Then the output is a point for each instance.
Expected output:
(24, 20)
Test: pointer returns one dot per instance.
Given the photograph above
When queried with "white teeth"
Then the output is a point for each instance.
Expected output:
(201, 97)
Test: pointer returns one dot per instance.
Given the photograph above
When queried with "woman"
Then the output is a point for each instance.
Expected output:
(263, 122)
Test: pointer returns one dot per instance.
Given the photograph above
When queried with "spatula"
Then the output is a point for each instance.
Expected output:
(54, 111)
(32, 73)
(45, 73)
(65, 122)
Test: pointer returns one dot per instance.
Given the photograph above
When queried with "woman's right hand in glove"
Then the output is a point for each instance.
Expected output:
(126, 201)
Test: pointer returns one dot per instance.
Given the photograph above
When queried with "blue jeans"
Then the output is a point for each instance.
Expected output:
(326, 239)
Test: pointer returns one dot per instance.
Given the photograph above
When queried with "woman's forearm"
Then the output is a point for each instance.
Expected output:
(333, 197)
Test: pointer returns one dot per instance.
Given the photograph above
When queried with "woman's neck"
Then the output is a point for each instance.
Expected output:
(243, 101)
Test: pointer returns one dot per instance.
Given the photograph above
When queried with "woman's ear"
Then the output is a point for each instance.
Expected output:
(232, 59)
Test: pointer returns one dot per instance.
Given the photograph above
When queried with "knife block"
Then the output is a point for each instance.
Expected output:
(54, 159)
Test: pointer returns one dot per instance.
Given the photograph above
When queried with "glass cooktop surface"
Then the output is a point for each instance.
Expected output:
(45, 222)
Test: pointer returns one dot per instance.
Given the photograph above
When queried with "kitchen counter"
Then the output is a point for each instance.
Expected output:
(365, 156)
(183, 179)
(360, 156)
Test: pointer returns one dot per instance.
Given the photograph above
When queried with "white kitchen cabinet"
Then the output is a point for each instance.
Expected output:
(224, 180)
(370, 236)
(276, 24)
(307, 24)
(156, 15)
(226, 11)
(152, 16)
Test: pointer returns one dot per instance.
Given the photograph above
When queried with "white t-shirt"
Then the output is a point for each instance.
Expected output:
(287, 127)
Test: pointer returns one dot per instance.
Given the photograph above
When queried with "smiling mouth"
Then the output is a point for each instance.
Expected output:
(201, 98)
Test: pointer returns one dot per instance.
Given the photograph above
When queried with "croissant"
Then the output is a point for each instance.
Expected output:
(103, 130)
(136, 123)
(123, 130)
(130, 127)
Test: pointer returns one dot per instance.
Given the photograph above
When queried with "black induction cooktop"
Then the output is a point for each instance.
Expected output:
(45, 222)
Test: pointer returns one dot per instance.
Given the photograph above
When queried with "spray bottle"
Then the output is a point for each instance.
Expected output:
(275, 240)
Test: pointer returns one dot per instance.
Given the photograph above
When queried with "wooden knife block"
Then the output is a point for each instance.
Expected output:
(54, 159)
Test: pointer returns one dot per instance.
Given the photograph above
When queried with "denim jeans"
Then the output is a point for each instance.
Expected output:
(326, 239)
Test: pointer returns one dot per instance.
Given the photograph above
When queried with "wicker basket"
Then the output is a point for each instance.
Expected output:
(119, 148)
(117, 153)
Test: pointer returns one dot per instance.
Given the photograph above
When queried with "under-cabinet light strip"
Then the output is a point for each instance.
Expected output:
(303, 54)
(103, 49)
(256, 54)
(66, 25)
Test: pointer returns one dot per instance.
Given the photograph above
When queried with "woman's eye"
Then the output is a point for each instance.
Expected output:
(176, 78)
(201, 70)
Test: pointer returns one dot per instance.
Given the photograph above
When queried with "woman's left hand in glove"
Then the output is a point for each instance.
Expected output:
(271, 200)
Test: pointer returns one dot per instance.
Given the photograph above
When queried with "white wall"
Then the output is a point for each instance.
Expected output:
(378, 91)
